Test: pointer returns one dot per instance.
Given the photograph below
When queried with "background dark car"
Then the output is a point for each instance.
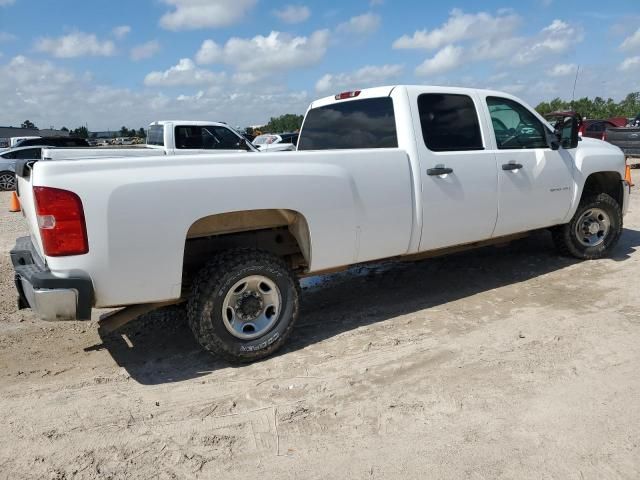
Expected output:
(64, 142)
(8, 164)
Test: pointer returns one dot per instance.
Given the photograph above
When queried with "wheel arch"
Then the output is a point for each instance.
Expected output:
(609, 182)
(280, 231)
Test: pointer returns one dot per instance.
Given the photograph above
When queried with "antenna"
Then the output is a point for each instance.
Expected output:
(573, 93)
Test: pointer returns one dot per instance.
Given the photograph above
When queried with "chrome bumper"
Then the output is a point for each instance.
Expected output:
(49, 296)
(51, 303)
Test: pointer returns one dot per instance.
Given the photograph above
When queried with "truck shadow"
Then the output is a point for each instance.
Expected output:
(161, 349)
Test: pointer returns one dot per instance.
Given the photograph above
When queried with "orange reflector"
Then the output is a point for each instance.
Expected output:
(627, 175)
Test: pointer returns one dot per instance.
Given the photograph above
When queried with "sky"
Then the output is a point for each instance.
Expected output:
(105, 64)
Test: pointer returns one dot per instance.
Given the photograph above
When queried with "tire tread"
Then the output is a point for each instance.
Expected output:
(210, 278)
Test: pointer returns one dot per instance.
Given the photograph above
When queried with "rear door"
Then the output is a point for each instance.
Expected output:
(535, 183)
(459, 184)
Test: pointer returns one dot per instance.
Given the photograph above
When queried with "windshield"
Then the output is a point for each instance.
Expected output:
(155, 135)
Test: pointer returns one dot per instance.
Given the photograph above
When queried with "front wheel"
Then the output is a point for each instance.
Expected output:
(7, 181)
(243, 305)
(593, 231)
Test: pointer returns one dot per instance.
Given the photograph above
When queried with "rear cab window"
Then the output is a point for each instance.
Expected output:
(366, 123)
(449, 122)
(155, 135)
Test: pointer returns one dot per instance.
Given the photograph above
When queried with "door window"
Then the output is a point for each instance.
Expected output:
(28, 154)
(209, 137)
(515, 126)
(596, 127)
(449, 122)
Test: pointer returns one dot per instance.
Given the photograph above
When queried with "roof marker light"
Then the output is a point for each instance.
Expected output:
(345, 95)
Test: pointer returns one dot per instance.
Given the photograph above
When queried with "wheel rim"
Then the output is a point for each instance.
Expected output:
(251, 307)
(7, 181)
(592, 227)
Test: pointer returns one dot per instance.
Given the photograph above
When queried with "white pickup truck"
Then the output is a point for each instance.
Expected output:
(392, 172)
(169, 137)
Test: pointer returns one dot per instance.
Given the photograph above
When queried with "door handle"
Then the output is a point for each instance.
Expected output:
(439, 171)
(511, 166)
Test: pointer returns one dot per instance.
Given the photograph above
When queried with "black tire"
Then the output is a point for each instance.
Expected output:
(565, 237)
(210, 288)
(7, 181)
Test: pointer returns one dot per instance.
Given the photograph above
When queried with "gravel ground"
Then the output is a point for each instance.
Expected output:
(500, 363)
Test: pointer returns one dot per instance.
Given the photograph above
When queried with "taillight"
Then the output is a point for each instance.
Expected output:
(345, 95)
(61, 222)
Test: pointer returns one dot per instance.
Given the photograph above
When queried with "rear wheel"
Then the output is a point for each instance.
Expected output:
(7, 181)
(243, 305)
(593, 231)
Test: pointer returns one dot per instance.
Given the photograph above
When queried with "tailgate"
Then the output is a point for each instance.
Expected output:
(25, 194)
(627, 139)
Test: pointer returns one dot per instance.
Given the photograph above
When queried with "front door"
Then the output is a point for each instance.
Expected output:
(535, 183)
(459, 177)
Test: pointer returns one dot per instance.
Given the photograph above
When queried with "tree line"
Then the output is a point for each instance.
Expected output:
(83, 132)
(289, 122)
(596, 108)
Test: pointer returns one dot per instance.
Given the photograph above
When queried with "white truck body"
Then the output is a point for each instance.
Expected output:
(342, 206)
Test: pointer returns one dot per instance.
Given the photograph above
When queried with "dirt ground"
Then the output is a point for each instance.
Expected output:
(500, 363)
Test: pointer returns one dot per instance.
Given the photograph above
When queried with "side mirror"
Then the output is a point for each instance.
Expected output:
(568, 131)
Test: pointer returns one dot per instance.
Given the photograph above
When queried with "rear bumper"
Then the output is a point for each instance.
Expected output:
(50, 297)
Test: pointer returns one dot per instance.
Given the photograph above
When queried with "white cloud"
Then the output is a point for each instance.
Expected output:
(446, 59)
(630, 64)
(245, 78)
(209, 52)
(144, 50)
(5, 3)
(632, 42)
(276, 52)
(185, 73)
(557, 38)
(76, 44)
(195, 14)
(562, 70)
(49, 95)
(121, 31)
(7, 37)
(367, 76)
(375, 3)
(361, 24)
(461, 26)
(293, 13)
(513, 88)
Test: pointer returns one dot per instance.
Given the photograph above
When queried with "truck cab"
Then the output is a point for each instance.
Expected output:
(183, 137)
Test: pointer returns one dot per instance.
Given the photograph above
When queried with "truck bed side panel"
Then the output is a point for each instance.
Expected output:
(357, 205)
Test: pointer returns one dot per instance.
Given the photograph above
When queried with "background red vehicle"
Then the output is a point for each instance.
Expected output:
(595, 128)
